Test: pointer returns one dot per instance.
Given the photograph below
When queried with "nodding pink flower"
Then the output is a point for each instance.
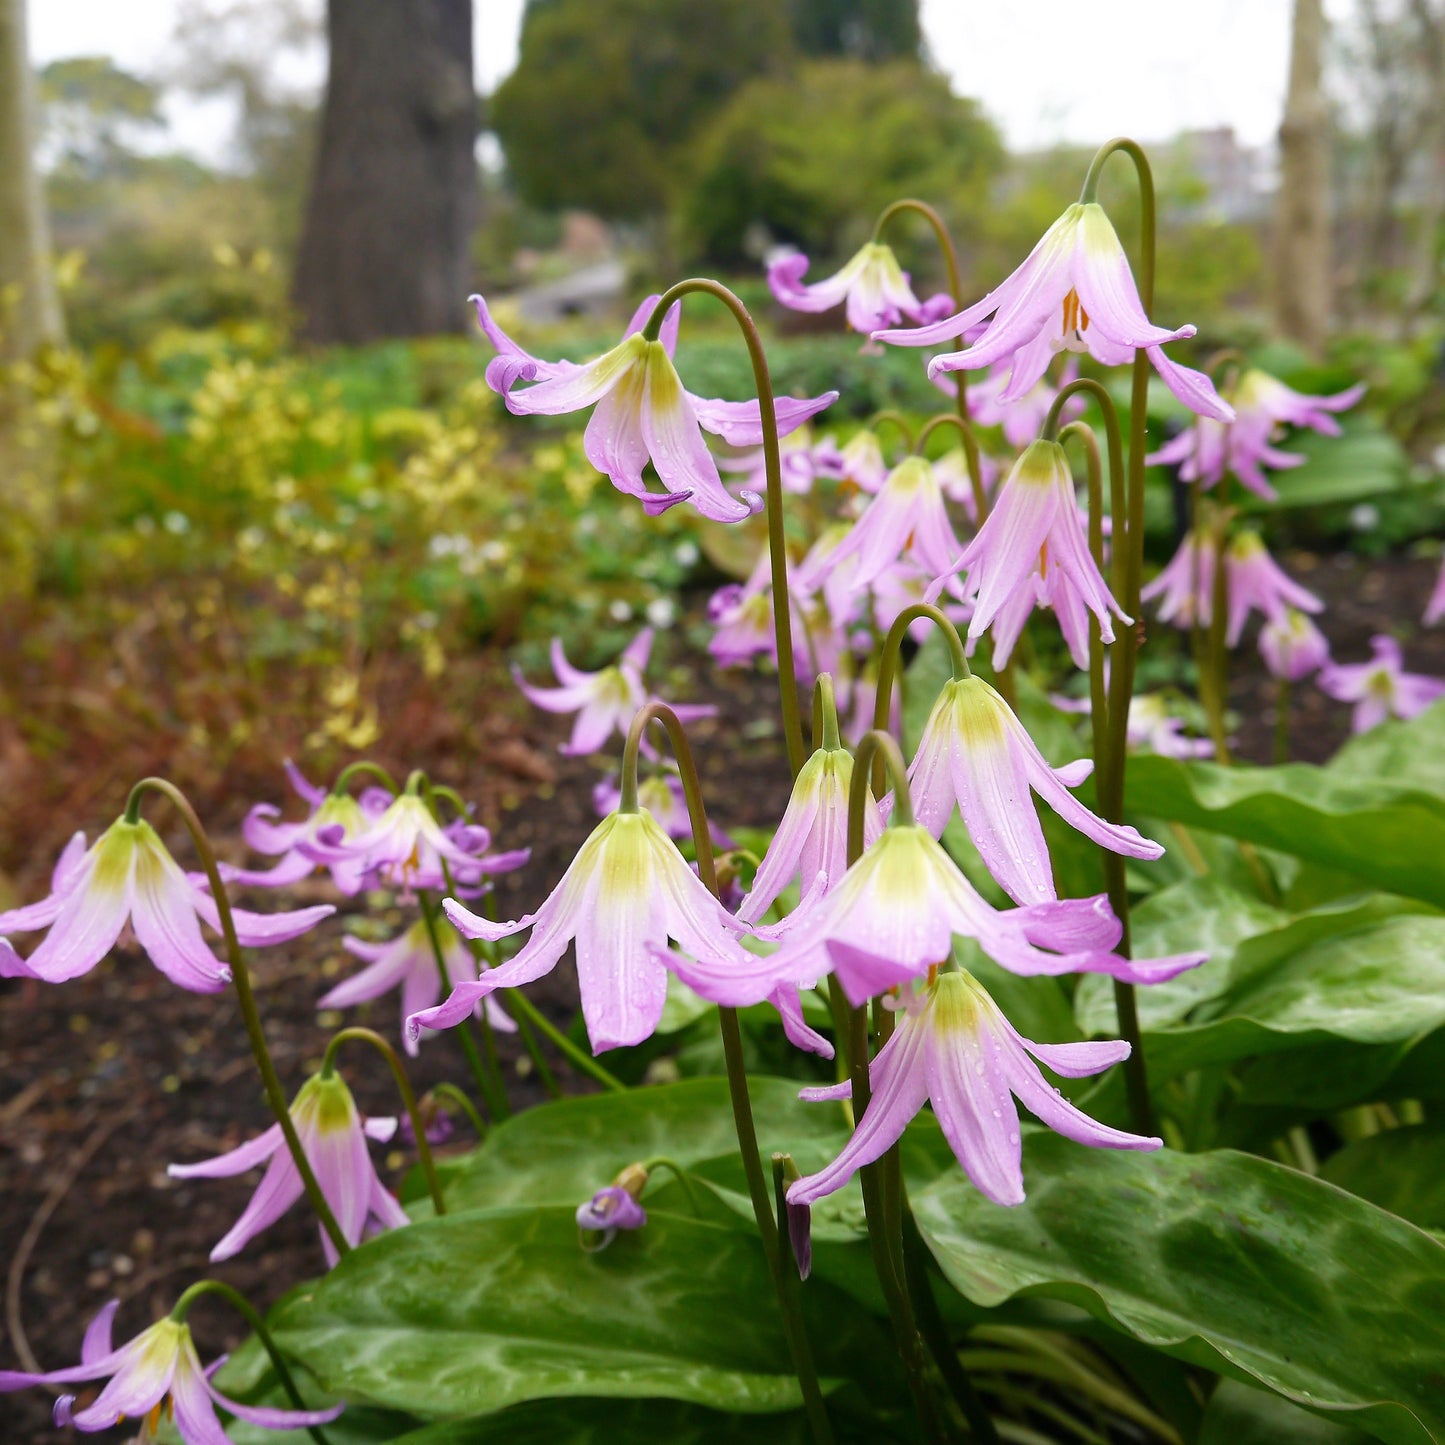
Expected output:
(1023, 419)
(862, 461)
(1379, 689)
(1074, 292)
(895, 912)
(605, 700)
(643, 413)
(976, 753)
(333, 1137)
(333, 820)
(409, 963)
(662, 795)
(623, 896)
(405, 848)
(1292, 646)
(128, 876)
(954, 1047)
(1034, 531)
(801, 462)
(156, 1373)
(1435, 607)
(872, 283)
(952, 474)
(812, 839)
(608, 1211)
(1257, 583)
(742, 614)
(1186, 585)
(1150, 725)
(907, 517)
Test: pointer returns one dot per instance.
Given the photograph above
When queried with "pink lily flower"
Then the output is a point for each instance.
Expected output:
(1023, 419)
(802, 462)
(1153, 727)
(643, 413)
(333, 1137)
(906, 518)
(623, 896)
(156, 1373)
(1435, 607)
(1034, 531)
(894, 914)
(1292, 646)
(812, 839)
(1258, 583)
(128, 876)
(954, 1047)
(871, 282)
(333, 820)
(952, 475)
(1186, 585)
(862, 461)
(1379, 689)
(976, 753)
(1075, 292)
(408, 962)
(604, 700)
(742, 614)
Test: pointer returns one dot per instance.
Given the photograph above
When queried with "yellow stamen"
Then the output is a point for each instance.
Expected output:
(1076, 319)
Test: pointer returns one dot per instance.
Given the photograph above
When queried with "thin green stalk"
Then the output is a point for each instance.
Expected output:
(772, 462)
(250, 1014)
(252, 1316)
(550, 1085)
(897, 419)
(524, 1009)
(364, 768)
(785, 1281)
(408, 1099)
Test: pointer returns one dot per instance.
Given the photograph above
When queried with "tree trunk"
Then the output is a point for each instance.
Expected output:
(1302, 257)
(394, 198)
(29, 308)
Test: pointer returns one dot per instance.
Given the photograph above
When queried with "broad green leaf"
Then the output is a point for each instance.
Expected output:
(1222, 1259)
(1410, 753)
(471, 1313)
(1239, 1415)
(1402, 1170)
(1364, 462)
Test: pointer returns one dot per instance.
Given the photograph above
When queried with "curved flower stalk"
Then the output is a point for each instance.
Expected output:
(333, 1135)
(895, 912)
(1379, 689)
(128, 876)
(623, 896)
(874, 287)
(643, 413)
(1292, 646)
(156, 1373)
(1075, 292)
(662, 795)
(1034, 544)
(408, 962)
(974, 752)
(954, 1047)
(332, 822)
(604, 700)
(1022, 419)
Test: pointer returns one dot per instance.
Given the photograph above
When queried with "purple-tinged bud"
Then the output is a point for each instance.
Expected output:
(797, 1218)
(612, 1209)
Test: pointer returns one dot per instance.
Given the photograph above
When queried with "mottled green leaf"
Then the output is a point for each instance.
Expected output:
(1402, 1170)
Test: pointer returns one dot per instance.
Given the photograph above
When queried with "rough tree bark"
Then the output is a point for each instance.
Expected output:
(394, 197)
(1302, 218)
(29, 307)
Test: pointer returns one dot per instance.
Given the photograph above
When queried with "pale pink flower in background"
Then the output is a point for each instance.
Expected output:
(862, 462)
(975, 753)
(742, 617)
(802, 461)
(1186, 586)
(1075, 292)
(1021, 420)
(874, 286)
(1292, 646)
(408, 963)
(1435, 607)
(605, 701)
(623, 896)
(128, 876)
(333, 1137)
(953, 1047)
(1151, 726)
(662, 795)
(1379, 689)
(952, 474)
(643, 413)
(158, 1368)
(1258, 583)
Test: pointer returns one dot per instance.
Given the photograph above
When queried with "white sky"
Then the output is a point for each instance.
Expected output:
(1045, 70)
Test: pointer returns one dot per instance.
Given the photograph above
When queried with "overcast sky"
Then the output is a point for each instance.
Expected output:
(1045, 70)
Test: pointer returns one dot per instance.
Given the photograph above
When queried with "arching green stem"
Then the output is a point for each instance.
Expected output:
(252, 1316)
(241, 977)
(955, 289)
(784, 1281)
(408, 1099)
(364, 768)
(888, 662)
(661, 1161)
(970, 451)
(772, 462)
(889, 414)
(448, 1091)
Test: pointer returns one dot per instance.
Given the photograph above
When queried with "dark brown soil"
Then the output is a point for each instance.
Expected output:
(106, 1080)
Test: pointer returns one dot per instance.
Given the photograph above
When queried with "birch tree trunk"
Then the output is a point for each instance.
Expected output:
(1302, 216)
(29, 307)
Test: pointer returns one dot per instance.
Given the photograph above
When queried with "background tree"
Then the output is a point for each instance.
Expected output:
(607, 94)
(874, 30)
(394, 199)
(29, 308)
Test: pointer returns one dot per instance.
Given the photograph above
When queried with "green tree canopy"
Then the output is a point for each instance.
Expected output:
(824, 149)
(606, 92)
(873, 30)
